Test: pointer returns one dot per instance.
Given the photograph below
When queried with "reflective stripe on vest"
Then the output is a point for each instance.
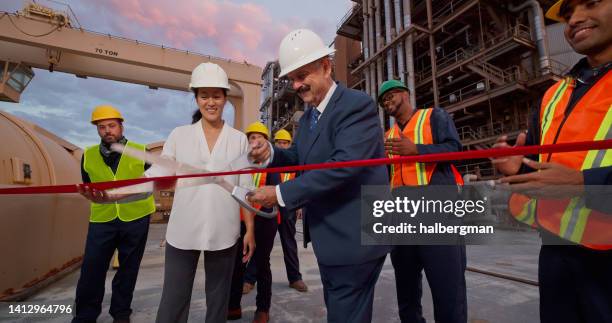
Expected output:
(259, 180)
(418, 130)
(128, 168)
(590, 119)
(287, 177)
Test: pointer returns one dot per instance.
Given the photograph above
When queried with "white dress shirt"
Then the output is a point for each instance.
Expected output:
(203, 217)
(321, 107)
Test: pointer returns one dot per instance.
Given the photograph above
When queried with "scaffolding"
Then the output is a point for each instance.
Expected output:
(486, 62)
(281, 107)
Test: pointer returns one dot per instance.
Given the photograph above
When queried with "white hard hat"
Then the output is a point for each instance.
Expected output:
(209, 75)
(300, 47)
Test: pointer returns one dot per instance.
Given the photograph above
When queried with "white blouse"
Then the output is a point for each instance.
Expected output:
(203, 217)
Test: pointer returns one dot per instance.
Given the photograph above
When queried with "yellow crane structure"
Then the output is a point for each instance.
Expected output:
(47, 39)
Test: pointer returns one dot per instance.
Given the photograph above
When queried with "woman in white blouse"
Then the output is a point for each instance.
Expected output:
(205, 217)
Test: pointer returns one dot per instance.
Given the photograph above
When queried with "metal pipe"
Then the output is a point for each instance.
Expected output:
(540, 32)
(432, 55)
(365, 44)
(379, 39)
(390, 60)
(400, 46)
(409, 51)
(372, 45)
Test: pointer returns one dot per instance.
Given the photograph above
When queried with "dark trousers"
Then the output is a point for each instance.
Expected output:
(575, 284)
(349, 290)
(286, 230)
(102, 240)
(238, 273)
(179, 272)
(445, 270)
(265, 231)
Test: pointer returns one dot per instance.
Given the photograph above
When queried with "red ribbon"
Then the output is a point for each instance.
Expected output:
(472, 154)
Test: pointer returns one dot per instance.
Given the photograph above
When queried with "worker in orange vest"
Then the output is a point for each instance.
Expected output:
(265, 231)
(286, 228)
(576, 254)
(417, 132)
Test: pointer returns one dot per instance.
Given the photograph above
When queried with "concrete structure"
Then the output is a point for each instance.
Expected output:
(486, 62)
(48, 39)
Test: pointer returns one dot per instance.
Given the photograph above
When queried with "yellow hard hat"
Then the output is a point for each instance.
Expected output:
(553, 11)
(282, 135)
(103, 112)
(257, 127)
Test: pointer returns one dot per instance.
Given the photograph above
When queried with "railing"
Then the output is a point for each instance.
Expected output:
(466, 133)
(449, 8)
(347, 16)
(462, 54)
(464, 93)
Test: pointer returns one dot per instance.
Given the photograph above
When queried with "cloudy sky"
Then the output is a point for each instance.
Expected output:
(235, 29)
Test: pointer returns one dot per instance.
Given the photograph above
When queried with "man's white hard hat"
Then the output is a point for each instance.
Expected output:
(300, 47)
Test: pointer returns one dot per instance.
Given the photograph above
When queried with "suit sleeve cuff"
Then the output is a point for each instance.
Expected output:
(279, 197)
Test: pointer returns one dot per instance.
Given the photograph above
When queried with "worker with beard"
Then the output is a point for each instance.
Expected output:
(575, 259)
(115, 222)
(420, 132)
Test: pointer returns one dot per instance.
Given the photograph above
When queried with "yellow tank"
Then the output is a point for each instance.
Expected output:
(42, 235)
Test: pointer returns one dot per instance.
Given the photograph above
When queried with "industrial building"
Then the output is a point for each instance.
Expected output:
(486, 62)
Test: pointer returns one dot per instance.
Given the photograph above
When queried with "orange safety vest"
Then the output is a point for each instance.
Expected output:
(259, 180)
(418, 130)
(590, 119)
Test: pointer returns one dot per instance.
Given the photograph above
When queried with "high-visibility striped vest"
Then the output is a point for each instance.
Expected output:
(418, 130)
(259, 180)
(590, 119)
(128, 168)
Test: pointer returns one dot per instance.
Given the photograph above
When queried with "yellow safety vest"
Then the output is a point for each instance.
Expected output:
(128, 168)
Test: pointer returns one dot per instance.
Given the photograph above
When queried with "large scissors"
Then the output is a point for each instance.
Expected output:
(239, 193)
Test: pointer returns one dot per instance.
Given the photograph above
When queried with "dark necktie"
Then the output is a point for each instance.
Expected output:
(314, 118)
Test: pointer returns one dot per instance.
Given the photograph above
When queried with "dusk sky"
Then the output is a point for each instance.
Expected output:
(234, 29)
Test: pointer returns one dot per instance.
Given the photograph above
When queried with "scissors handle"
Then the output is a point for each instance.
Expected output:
(240, 195)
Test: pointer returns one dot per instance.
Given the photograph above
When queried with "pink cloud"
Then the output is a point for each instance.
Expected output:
(239, 31)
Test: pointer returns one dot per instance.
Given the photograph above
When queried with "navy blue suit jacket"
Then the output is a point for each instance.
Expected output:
(348, 129)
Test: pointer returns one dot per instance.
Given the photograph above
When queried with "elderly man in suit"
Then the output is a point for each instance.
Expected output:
(341, 124)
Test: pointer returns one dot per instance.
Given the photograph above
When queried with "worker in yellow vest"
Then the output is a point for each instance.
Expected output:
(418, 132)
(113, 224)
(576, 254)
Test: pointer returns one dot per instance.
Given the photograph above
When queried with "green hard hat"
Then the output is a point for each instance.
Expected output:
(388, 86)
